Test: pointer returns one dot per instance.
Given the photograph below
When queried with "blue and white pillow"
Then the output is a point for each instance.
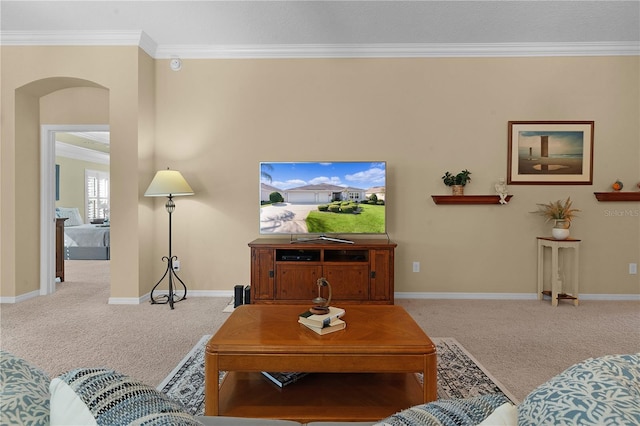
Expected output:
(96, 396)
(597, 391)
(72, 214)
(24, 392)
(448, 412)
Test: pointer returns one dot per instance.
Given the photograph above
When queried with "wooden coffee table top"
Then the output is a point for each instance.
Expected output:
(381, 344)
(371, 329)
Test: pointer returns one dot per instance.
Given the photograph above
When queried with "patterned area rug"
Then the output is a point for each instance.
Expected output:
(459, 376)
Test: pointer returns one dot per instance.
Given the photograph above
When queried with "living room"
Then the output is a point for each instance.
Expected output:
(217, 117)
(215, 120)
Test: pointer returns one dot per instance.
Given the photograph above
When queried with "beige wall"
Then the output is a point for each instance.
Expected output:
(215, 120)
(76, 105)
(28, 74)
(147, 227)
(82, 105)
(72, 182)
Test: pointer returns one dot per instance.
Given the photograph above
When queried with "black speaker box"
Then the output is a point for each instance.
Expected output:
(247, 295)
(238, 292)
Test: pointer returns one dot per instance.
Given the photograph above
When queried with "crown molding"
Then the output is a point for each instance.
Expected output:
(101, 137)
(293, 51)
(79, 38)
(79, 153)
(399, 50)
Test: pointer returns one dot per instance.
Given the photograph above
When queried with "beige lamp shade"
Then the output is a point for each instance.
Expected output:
(168, 183)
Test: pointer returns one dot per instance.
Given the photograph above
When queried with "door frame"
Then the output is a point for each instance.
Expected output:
(48, 198)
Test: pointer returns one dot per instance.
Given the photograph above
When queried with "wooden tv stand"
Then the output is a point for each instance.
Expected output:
(286, 272)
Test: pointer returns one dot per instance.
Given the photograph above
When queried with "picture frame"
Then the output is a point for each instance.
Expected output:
(550, 153)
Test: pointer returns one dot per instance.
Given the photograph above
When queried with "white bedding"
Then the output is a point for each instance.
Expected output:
(87, 236)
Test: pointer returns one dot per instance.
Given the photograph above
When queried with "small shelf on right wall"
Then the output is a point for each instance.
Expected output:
(618, 196)
(468, 199)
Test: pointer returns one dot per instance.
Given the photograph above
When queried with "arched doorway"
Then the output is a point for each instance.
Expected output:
(31, 103)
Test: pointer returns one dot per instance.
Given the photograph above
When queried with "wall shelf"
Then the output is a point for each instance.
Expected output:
(468, 199)
(618, 196)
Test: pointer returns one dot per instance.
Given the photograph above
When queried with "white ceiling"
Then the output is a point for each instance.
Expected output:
(179, 27)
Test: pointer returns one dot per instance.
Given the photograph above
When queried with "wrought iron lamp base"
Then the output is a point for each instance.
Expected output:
(172, 297)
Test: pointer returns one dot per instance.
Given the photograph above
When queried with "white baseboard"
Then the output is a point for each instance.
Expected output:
(210, 293)
(506, 296)
(128, 300)
(190, 293)
(630, 297)
(456, 295)
(20, 298)
(451, 295)
(397, 295)
(421, 295)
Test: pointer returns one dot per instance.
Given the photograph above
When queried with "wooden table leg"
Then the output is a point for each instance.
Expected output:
(540, 269)
(555, 279)
(430, 378)
(574, 277)
(211, 385)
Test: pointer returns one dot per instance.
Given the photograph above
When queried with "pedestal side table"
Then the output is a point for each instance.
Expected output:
(560, 289)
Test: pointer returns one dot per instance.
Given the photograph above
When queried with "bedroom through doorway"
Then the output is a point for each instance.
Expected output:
(80, 192)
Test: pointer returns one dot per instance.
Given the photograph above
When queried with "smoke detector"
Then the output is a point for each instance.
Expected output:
(175, 64)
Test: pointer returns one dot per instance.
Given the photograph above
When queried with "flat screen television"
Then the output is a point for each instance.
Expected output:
(323, 199)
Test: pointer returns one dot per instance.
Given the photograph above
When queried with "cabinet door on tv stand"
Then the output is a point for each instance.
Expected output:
(348, 282)
(297, 281)
(262, 274)
(382, 275)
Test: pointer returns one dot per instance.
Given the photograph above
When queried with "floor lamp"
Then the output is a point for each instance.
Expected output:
(169, 183)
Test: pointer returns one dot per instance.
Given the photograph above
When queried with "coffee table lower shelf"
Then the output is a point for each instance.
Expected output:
(320, 396)
(561, 296)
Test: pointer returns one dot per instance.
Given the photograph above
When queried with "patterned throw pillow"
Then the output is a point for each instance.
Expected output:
(598, 391)
(447, 412)
(104, 397)
(24, 392)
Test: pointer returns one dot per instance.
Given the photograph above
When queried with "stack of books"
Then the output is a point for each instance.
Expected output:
(325, 323)
(283, 379)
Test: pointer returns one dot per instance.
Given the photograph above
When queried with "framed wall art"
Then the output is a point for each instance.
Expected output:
(550, 153)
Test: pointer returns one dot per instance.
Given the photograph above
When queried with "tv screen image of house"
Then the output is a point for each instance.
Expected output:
(345, 197)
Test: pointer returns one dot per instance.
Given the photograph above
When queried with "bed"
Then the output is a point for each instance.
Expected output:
(84, 241)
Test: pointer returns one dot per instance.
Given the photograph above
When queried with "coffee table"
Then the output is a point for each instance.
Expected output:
(381, 344)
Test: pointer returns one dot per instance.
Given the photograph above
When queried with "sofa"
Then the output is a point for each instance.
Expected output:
(597, 391)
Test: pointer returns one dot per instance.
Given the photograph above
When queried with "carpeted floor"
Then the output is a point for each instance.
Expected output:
(523, 343)
(459, 376)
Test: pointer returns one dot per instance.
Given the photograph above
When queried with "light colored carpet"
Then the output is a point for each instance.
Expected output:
(522, 343)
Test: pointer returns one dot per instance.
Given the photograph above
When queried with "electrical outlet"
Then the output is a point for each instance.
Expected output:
(176, 265)
(416, 266)
(633, 268)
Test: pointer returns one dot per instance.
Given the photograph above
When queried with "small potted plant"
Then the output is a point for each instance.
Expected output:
(561, 213)
(457, 182)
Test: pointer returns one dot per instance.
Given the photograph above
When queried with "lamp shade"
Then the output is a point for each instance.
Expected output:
(168, 183)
